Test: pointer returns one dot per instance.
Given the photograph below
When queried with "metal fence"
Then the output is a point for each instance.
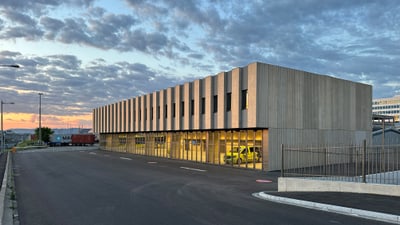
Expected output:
(362, 163)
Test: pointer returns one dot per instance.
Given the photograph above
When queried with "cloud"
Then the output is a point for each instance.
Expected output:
(38, 7)
(51, 26)
(73, 88)
(356, 40)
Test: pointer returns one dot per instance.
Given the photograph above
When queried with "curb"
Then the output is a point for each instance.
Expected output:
(3, 191)
(365, 214)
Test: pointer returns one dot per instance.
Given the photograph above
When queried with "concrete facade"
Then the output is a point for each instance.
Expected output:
(287, 106)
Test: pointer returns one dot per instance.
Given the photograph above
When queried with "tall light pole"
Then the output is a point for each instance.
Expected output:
(2, 131)
(40, 118)
(2, 103)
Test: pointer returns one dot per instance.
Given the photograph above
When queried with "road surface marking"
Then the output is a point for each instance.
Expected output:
(152, 162)
(263, 181)
(193, 169)
(93, 153)
(125, 158)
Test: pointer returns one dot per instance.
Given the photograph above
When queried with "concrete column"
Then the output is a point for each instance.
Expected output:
(236, 101)
(187, 98)
(221, 90)
(149, 112)
(169, 102)
(197, 102)
(178, 100)
(209, 96)
(156, 103)
(252, 93)
(162, 103)
(142, 113)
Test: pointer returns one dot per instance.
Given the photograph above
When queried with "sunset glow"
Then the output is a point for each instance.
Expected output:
(31, 121)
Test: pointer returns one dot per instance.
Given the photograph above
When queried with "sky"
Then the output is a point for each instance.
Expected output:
(83, 54)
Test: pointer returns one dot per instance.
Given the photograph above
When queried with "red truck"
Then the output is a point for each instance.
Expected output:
(82, 139)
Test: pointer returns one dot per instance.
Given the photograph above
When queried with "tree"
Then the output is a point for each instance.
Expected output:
(46, 132)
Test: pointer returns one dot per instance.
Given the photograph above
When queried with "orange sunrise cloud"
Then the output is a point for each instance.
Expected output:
(29, 120)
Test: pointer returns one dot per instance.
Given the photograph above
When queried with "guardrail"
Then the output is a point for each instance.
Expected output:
(358, 163)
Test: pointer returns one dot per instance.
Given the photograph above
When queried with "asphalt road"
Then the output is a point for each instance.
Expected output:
(97, 187)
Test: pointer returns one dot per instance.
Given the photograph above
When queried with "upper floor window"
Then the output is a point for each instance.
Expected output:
(215, 108)
(192, 107)
(228, 101)
(203, 105)
(173, 110)
(245, 99)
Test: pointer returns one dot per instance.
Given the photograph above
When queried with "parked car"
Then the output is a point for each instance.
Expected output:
(243, 154)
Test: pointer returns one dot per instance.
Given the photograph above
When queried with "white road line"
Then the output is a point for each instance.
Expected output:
(193, 169)
(125, 158)
(152, 162)
(263, 181)
(93, 153)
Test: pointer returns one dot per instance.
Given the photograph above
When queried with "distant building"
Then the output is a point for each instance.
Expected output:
(382, 122)
(391, 136)
(387, 107)
(239, 118)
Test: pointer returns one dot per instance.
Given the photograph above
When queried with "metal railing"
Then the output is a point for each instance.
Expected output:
(360, 163)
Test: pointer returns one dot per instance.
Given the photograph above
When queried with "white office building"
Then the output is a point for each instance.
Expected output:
(387, 107)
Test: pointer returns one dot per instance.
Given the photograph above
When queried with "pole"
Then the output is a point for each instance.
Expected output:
(282, 161)
(3, 140)
(2, 133)
(2, 103)
(40, 118)
(364, 163)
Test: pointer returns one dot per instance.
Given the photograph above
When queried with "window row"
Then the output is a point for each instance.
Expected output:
(389, 112)
(386, 107)
(242, 148)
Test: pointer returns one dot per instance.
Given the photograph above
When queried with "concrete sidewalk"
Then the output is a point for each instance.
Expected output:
(368, 206)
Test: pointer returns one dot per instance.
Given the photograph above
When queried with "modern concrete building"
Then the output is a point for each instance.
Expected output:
(239, 118)
(387, 107)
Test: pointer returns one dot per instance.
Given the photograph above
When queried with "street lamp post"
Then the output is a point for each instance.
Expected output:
(40, 118)
(2, 103)
(2, 131)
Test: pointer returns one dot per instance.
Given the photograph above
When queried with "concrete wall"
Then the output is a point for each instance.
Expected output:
(305, 109)
(307, 185)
